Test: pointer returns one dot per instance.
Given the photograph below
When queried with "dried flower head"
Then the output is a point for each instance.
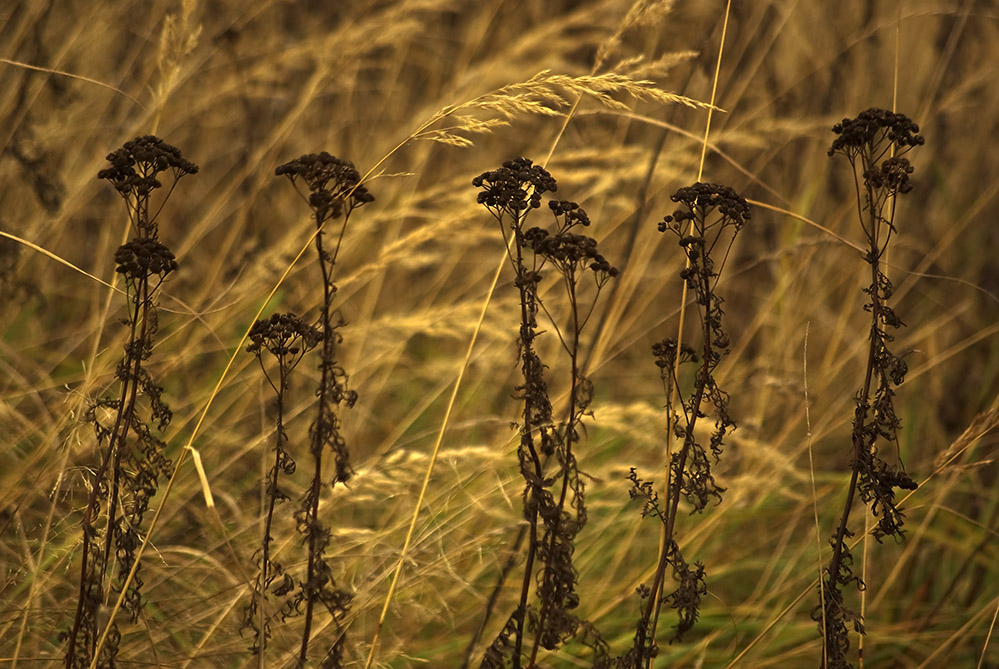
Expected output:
(144, 257)
(570, 212)
(570, 253)
(134, 166)
(514, 187)
(332, 182)
(871, 128)
(700, 199)
(892, 175)
(282, 335)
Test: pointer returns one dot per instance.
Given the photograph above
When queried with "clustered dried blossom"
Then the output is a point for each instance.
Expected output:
(144, 258)
(135, 166)
(334, 184)
(569, 252)
(873, 143)
(283, 335)
(868, 133)
(134, 173)
(514, 188)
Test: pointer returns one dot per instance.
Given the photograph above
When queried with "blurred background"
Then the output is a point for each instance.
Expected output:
(242, 87)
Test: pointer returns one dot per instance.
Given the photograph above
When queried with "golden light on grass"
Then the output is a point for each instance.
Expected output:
(427, 94)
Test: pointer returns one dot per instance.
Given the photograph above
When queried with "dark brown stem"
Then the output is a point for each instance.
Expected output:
(319, 435)
(511, 562)
(527, 331)
(860, 419)
(116, 441)
(654, 604)
(272, 489)
(566, 465)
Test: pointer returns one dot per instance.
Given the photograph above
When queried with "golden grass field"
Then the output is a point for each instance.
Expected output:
(428, 94)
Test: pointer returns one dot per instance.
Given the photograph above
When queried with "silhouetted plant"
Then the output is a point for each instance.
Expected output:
(133, 459)
(554, 500)
(334, 192)
(874, 143)
(287, 338)
(706, 225)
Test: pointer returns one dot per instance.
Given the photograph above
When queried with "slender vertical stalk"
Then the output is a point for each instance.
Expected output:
(334, 192)
(127, 476)
(708, 211)
(287, 338)
(874, 144)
